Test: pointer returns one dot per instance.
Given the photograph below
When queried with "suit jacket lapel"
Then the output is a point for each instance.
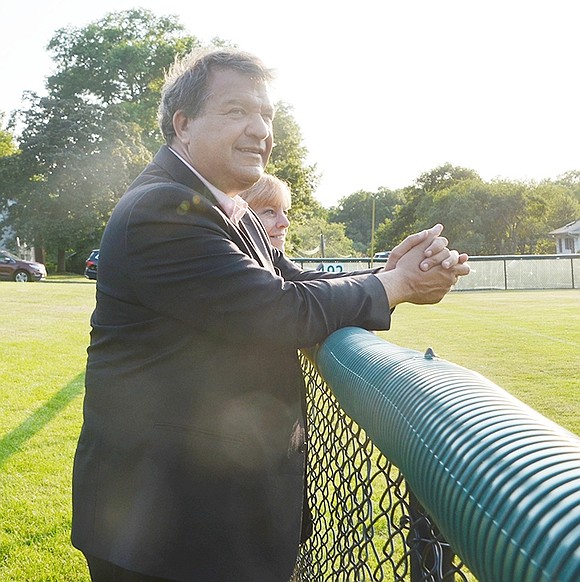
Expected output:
(247, 234)
(180, 173)
(253, 230)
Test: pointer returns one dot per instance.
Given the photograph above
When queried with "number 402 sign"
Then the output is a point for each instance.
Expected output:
(331, 267)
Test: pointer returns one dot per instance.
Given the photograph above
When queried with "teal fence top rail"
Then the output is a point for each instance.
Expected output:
(501, 481)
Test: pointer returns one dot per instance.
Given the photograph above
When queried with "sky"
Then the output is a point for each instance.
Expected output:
(383, 90)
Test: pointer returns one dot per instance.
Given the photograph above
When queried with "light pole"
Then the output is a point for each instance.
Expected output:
(372, 230)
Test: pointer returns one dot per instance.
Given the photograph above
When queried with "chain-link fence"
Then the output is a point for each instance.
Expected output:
(367, 526)
(488, 273)
(523, 272)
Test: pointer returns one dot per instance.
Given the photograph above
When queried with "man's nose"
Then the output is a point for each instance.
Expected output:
(259, 127)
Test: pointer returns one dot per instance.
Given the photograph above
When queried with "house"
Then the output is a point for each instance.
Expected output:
(11, 242)
(568, 238)
(6, 233)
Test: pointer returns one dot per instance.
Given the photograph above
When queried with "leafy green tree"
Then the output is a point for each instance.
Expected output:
(84, 142)
(500, 217)
(120, 60)
(480, 218)
(461, 208)
(443, 177)
(407, 216)
(288, 162)
(75, 161)
(311, 237)
(8, 152)
(571, 181)
(8, 145)
(355, 212)
(560, 206)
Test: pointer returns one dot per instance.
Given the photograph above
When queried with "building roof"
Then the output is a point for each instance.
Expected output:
(572, 228)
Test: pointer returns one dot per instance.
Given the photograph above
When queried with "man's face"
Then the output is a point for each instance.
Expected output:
(230, 142)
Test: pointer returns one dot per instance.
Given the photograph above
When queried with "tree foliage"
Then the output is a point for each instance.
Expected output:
(120, 60)
(8, 145)
(406, 217)
(288, 162)
(74, 162)
(86, 140)
(310, 237)
(571, 181)
(444, 177)
(487, 218)
(356, 213)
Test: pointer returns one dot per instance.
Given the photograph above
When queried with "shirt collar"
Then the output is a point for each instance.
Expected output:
(234, 207)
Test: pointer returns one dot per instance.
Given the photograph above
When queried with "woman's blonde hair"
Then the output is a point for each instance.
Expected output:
(267, 191)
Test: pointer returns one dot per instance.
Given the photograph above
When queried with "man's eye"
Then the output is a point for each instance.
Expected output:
(237, 112)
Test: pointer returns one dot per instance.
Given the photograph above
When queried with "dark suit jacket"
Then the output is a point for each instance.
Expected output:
(190, 463)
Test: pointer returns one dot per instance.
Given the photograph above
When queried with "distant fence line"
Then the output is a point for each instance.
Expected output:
(501, 272)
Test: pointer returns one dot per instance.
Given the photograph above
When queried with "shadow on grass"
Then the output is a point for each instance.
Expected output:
(13, 441)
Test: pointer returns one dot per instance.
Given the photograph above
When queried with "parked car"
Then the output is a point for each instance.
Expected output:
(91, 264)
(12, 268)
(382, 255)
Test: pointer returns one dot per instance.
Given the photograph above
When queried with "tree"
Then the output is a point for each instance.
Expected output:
(561, 206)
(8, 145)
(482, 218)
(84, 142)
(407, 217)
(305, 239)
(443, 177)
(120, 60)
(355, 212)
(288, 162)
(8, 152)
(571, 181)
(75, 161)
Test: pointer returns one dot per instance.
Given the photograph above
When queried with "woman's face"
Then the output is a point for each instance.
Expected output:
(275, 220)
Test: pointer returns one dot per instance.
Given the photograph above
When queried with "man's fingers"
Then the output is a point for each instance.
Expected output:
(462, 269)
(411, 242)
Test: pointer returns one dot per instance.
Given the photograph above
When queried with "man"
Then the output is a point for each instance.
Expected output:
(190, 463)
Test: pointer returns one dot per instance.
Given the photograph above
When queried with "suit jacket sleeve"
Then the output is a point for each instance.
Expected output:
(185, 260)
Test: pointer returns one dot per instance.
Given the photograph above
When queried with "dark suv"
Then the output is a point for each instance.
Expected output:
(91, 264)
(13, 268)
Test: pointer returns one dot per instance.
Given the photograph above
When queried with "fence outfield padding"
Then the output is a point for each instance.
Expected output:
(494, 272)
(501, 482)
(366, 525)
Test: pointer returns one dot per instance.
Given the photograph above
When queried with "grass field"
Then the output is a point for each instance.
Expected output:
(526, 342)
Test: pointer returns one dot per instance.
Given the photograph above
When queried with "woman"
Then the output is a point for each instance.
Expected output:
(270, 199)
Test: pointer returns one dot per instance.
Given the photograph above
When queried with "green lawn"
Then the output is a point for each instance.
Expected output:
(43, 333)
(526, 342)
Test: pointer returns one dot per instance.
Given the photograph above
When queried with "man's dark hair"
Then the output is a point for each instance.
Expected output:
(186, 83)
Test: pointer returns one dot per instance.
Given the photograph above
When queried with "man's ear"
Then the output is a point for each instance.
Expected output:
(180, 126)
